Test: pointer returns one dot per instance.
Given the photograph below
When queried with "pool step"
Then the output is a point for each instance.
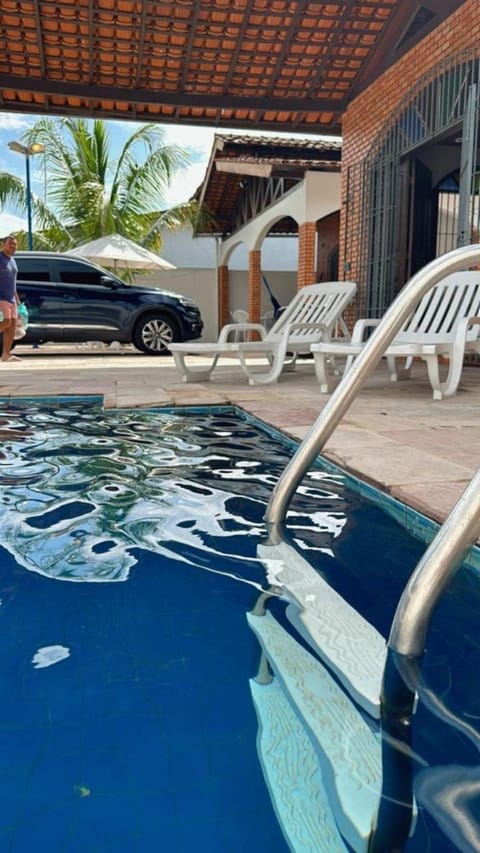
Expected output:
(349, 644)
(348, 750)
(292, 772)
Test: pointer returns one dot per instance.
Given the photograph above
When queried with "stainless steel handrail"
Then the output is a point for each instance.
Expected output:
(361, 369)
(462, 528)
(438, 565)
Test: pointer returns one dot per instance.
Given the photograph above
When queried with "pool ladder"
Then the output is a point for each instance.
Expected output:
(363, 791)
(461, 529)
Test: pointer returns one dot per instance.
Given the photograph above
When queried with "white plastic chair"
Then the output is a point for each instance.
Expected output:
(445, 323)
(312, 315)
(239, 316)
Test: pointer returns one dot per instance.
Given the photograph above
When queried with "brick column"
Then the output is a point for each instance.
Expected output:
(307, 250)
(223, 296)
(254, 285)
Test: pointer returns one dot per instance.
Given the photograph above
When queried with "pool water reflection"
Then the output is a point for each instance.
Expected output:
(129, 560)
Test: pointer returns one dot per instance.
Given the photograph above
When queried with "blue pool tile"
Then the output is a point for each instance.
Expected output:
(105, 823)
(159, 821)
(53, 826)
(10, 803)
(20, 747)
(143, 753)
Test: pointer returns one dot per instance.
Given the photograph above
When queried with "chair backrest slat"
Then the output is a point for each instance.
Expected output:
(436, 317)
(321, 304)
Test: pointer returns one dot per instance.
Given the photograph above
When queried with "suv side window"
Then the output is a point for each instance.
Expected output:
(33, 269)
(77, 272)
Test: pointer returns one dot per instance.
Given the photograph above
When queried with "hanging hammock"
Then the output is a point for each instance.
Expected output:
(275, 303)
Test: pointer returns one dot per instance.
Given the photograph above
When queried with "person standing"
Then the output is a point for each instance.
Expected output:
(8, 296)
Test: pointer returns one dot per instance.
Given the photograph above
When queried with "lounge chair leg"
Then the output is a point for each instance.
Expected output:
(395, 371)
(262, 378)
(434, 377)
(193, 374)
(276, 361)
(290, 366)
(450, 386)
(321, 362)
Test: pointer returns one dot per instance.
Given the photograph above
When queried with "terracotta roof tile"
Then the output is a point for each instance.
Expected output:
(237, 159)
(258, 64)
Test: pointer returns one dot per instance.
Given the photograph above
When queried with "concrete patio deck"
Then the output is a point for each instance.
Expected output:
(394, 435)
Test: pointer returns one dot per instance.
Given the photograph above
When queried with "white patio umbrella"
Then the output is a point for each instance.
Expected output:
(120, 253)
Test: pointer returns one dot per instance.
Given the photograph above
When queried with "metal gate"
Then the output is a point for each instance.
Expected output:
(445, 102)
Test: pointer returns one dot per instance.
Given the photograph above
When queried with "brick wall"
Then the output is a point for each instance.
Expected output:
(223, 296)
(327, 243)
(368, 114)
(307, 245)
(254, 285)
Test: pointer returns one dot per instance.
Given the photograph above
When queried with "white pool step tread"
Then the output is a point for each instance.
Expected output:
(349, 752)
(292, 773)
(351, 646)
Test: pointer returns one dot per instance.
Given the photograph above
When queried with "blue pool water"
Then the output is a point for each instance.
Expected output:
(128, 564)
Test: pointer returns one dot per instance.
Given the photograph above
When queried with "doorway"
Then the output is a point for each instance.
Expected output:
(420, 184)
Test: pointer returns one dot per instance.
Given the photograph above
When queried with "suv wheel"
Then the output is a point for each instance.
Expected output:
(154, 333)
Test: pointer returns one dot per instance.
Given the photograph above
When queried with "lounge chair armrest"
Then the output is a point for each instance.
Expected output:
(360, 327)
(241, 327)
(464, 326)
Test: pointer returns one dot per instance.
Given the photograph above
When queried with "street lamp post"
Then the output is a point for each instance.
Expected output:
(28, 151)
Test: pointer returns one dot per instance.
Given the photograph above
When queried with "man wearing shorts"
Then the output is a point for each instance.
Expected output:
(8, 296)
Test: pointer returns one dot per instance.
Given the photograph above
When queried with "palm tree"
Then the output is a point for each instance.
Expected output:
(91, 195)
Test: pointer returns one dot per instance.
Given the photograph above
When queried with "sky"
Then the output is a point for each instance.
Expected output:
(196, 140)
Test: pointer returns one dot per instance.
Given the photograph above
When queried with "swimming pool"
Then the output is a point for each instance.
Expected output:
(129, 562)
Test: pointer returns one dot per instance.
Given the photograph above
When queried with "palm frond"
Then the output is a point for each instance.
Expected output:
(90, 195)
(12, 192)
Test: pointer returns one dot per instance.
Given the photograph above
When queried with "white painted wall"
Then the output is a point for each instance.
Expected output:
(183, 250)
(200, 284)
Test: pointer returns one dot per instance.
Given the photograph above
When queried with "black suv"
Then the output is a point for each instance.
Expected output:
(71, 300)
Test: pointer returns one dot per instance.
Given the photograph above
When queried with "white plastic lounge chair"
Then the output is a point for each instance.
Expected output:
(313, 315)
(446, 322)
